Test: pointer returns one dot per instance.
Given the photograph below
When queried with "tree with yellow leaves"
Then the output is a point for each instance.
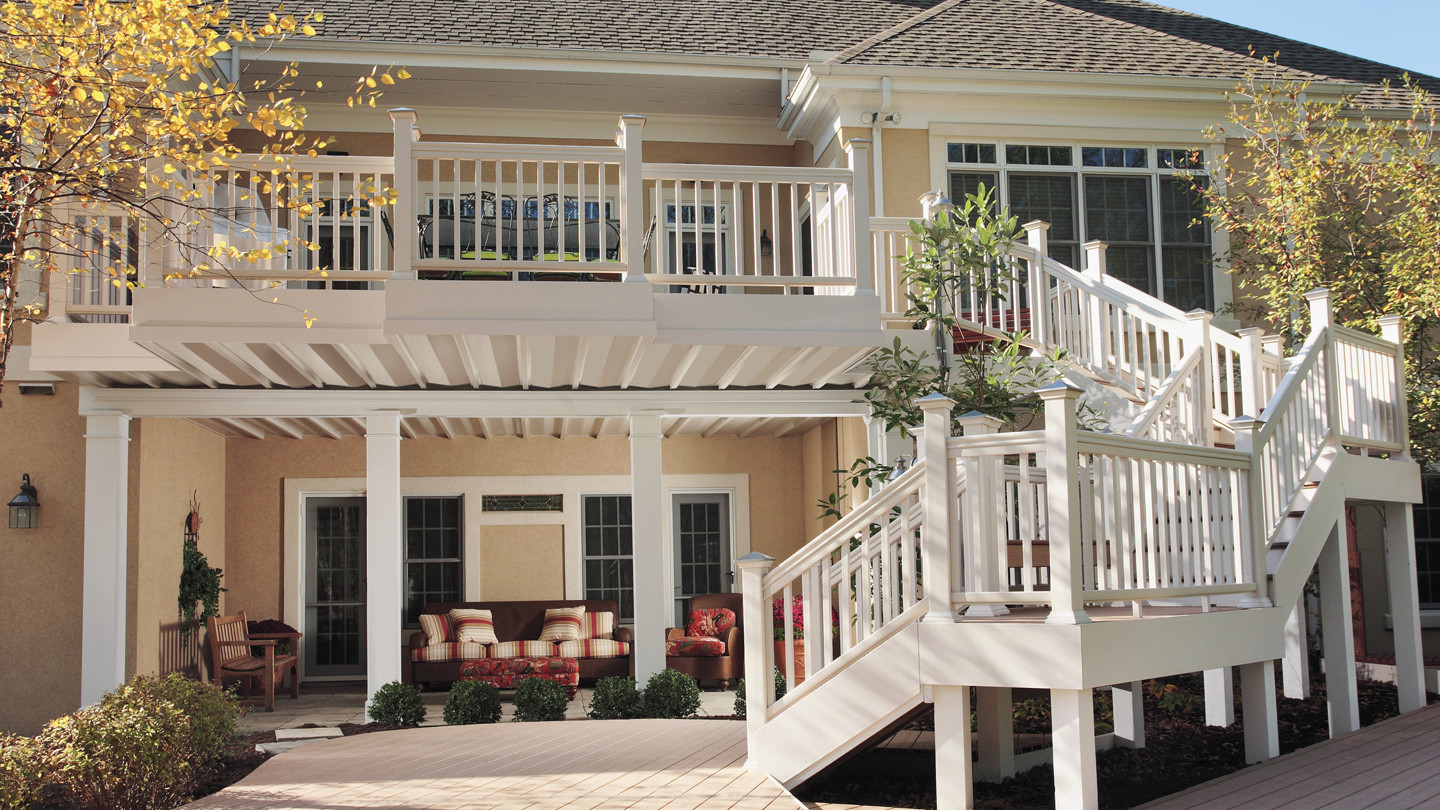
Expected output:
(114, 117)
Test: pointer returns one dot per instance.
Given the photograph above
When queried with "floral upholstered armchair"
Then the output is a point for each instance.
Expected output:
(711, 645)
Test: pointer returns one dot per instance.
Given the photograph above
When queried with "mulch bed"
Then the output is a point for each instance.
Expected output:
(1180, 752)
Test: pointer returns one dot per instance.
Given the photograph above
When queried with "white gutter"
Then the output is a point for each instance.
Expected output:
(878, 183)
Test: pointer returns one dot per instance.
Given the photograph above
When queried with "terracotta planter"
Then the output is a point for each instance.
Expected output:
(799, 659)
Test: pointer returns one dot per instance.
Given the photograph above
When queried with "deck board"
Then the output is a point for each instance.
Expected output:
(590, 765)
(1392, 764)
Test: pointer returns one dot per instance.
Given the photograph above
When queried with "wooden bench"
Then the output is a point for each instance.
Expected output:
(232, 654)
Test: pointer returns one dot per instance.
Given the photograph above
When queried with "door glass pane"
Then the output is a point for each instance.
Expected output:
(335, 587)
(608, 567)
(701, 533)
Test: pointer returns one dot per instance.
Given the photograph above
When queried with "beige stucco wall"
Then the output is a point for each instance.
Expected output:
(41, 570)
(905, 159)
(522, 562)
(177, 461)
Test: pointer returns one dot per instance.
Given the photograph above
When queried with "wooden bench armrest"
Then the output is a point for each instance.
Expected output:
(254, 642)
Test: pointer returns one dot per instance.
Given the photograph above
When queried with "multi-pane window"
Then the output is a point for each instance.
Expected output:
(1139, 200)
(433, 549)
(609, 565)
(1427, 543)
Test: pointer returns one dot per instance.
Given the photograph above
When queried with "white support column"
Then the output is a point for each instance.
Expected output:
(1127, 701)
(653, 599)
(857, 151)
(939, 531)
(102, 610)
(1404, 605)
(1219, 697)
(1335, 616)
(995, 723)
(632, 201)
(1295, 666)
(1067, 588)
(404, 121)
(1257, 706)
(384, 566)
(1072, 718)
(954, 782)
(759, 685)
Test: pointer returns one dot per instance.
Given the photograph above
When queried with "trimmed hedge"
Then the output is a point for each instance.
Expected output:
(121, 754)
(671, 694)
(472, 702)
(539, 700)
(397, 704)
(21, 771)
(616, 698)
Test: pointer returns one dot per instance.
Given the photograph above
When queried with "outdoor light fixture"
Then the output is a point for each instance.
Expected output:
(767, 246)
(901, 464)
(25, 507)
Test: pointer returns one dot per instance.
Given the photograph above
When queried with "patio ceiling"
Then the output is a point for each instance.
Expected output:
(508, 427)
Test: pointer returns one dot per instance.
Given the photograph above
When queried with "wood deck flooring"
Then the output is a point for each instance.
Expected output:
(589, 765)
(1393, 764)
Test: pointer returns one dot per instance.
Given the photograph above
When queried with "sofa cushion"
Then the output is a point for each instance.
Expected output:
(451, 651)
(592, 648)
(710, 622)
(522, 649)
(598, 624)
(473, 625)
(563, 624)
(695, 647)
(436, 627)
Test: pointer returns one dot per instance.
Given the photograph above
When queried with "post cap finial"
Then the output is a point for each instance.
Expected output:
(935, 401)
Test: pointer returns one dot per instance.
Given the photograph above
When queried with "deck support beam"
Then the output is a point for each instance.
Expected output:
(1219, 697)
(1072, 713)
(1257, 704)
(954, 783)
(384, 555)
(995, 722)
(1335, 623)
(1404, 605)
(1295, 666)
(1128, 703)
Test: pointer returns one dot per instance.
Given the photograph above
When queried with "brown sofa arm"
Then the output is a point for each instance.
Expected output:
(732, 641)
(417, 639)
(625, 634)
(672, 633)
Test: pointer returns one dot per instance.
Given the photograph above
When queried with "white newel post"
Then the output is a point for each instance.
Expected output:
(939, 527)
(1341, 697)
(1095, 266)
(632, 203)
(1250, 563)
(653, 598)
(1200, 324)
(384, 556)
(1252, 393)
(1404, 605)
(759, 685)
(1067, 596)
(984, 529)
(1257, 708)
(102, 609)
(1322, 316)
(1392, 328)
(1037, 236)
(857, 150)
(407, 132)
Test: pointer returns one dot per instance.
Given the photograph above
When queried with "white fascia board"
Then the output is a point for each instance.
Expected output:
(461, 404)
(483, 57)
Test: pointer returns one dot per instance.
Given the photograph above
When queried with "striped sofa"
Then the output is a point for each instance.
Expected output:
(517, 626)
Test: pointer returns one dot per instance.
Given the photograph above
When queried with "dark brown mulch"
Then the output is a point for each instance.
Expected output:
(1181, 751)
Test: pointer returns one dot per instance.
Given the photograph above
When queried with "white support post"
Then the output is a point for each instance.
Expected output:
(1392, 328)
(384, 550)
(954, 782)
(984, 531)
(995, 724)
(759, 685)
(1037, 236)
(1072, 713)
(1322, 316)
(1253, 535)
(857, 151)
(632, 202)
(1295, 666)
(1219, 697)
(653, 599)
(1252, 392)
(1127, 701)
(1404, 605)
(1095, 266)
(1204, 420)
(407, 132)
(1257, 706)
(1341, 696)
(102, 609)
(940, 525)
(1067, 595)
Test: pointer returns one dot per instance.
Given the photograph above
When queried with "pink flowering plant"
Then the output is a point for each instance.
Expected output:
(797, 619)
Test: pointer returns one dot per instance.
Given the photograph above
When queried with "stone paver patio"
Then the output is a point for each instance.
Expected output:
(673, 764)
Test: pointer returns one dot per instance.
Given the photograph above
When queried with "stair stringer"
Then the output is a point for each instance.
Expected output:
(862, 699)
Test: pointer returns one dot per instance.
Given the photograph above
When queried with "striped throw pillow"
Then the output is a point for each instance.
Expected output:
(473, 625)
(563, 624)
(436, 627)
(599, 625)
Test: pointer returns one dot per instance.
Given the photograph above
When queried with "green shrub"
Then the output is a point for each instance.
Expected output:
(671, 694)
(740, 692)
(21, 773)
(538, 700)
(211, 711)
(616, 698)
(397, 704)
(472, 702)
(121, 754)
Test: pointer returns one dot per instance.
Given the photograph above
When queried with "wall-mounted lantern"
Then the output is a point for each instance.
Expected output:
(25, 507)
(767, 246)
